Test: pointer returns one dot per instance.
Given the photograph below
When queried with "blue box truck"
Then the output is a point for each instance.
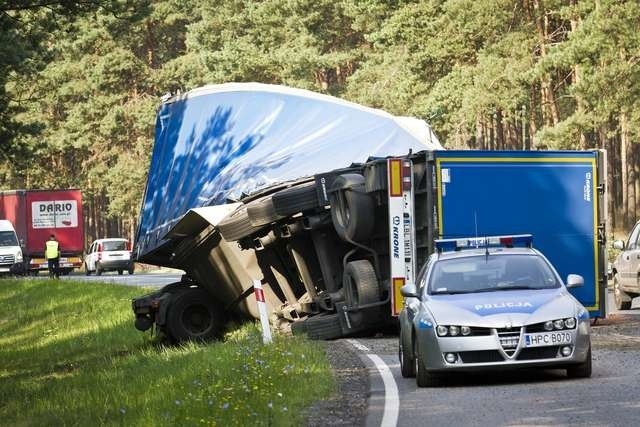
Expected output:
(333, 207)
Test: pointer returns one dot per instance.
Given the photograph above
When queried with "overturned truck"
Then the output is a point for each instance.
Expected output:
(260, 182)
(334, 207)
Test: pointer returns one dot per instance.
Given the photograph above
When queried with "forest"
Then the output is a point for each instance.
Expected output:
(80, 81)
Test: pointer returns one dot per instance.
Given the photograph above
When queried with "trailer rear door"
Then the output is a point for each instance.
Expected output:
(556, 196)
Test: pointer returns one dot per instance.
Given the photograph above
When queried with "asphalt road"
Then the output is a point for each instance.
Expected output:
(155, 280)
(514, 398)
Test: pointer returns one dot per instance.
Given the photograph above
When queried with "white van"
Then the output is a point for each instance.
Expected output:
(11, 260)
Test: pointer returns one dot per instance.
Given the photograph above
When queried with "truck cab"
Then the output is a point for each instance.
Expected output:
(11, 260)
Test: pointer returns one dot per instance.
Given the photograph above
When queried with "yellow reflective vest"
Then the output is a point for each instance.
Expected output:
(52, 249)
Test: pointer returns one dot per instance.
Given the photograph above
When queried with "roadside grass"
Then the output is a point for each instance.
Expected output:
(69, 355)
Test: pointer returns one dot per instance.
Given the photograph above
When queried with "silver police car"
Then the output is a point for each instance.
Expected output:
(491, 303)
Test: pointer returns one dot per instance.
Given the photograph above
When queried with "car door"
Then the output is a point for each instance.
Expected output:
(633, 259)
(91, 256)
(628, 265)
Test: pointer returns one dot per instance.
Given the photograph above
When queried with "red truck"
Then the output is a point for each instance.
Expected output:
(36, 214)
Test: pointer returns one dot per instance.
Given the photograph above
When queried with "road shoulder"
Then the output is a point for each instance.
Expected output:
(348, 405)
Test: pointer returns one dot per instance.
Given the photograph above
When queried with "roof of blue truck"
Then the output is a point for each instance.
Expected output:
(217, 143)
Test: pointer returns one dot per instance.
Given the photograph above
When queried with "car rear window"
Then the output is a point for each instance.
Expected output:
(491, 273)
(114, 245)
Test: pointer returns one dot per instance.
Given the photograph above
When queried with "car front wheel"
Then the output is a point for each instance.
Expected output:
(423, 377)
(619, 294)
(581, 370)
(407, 362)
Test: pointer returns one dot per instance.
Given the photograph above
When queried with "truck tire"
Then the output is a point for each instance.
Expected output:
(192, 316)
(319, 327)
(130, 270)
(360, 283)
(296, 199)
(262, 211)
(351, 208)
(236, 225)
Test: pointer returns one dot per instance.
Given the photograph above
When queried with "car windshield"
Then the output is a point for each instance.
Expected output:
(114, 245)
(484, 273)
(8, 238)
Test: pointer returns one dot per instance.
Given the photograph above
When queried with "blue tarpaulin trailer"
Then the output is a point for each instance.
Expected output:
(555, 195)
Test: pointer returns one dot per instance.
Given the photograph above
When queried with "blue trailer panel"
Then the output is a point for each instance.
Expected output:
(552, 195)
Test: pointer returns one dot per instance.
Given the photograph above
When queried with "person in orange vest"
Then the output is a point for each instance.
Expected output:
(52, 254)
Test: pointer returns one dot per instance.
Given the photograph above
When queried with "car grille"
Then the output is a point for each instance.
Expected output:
(7, 259)
(534, 353)
(538, 327)
(480, 331)
(481, 356)
(509, 339)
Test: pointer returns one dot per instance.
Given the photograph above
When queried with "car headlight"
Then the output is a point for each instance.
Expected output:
(465, 330)
(570, 323)
(442, 330)
(454, 331)
(548, 325)
(558, 324)
(19, 256)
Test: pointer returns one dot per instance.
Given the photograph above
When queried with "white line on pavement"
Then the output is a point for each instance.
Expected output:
(359, 346)
(391, 398)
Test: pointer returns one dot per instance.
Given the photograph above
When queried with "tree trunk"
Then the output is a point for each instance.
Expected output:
(624, 168)
(550, 114)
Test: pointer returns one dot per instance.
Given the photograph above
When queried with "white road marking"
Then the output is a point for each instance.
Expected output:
(391, 397)
(359, 346)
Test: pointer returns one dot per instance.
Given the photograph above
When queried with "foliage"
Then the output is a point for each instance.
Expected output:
(70, 357)
(80, 81)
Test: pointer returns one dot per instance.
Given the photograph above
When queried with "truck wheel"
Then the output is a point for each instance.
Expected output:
(407, 362)
(192, 316)
(98, 269)
(236, 225)
(319, 327)
(423, 377)
(360, 283)
(296, 199)
(130, 271)
(351, 208)
(619, 294)
(119, 272)
(86, 270)
(262, 211)
(582, 370)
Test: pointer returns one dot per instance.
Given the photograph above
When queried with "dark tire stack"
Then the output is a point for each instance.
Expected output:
(351, 208)
(361, 284)
(320, 327)
(236, 225)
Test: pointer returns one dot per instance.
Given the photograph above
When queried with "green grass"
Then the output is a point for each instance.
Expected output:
(69, 355)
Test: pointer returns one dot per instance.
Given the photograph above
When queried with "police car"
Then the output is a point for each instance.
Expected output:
(489, 303)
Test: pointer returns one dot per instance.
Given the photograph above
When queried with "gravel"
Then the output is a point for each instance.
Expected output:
(348, 405)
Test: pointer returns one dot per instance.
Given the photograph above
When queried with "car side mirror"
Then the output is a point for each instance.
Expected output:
(618, 244)
(409, 291)
(574, 281)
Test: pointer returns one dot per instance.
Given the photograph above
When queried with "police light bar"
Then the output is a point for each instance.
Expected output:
(446, 245)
